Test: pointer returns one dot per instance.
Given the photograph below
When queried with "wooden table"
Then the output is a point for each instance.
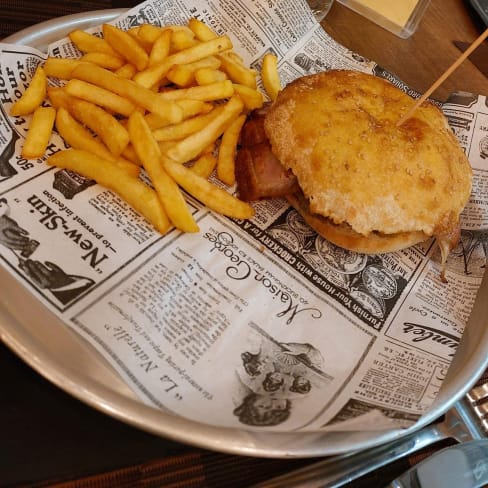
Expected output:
(422, 58)
(46, 435)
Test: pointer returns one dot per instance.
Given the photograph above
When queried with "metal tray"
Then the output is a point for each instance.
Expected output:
(51, 348)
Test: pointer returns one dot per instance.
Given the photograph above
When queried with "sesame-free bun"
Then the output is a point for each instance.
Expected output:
(374, 185)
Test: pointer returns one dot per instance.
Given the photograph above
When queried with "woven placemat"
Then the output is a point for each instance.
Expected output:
(16, 15)
(204, 469)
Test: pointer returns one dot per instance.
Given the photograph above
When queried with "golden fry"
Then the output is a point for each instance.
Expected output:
(78, 137)
(237, 72)
(153, 75)
(150, 33)
(130, 153)
(134, 32)
(270, 76)
(105, 125)
(252, 98)
(160, 48)
(190, 147)
(39, 133)
(206, 93)
(180, 75)
(88, 43)
(201, 30)
(58, 97)
(127, 71)
(204, 165)
(104, 60)
(212, 196)
(127, 88)
(211, 62)
(182, 39)
(33, 96)
(227, 151)
(187, 127)
(60, 67)
(207, 76)
(100, 96)
(126, 46)
(129, 167)
(131, 189)
(170, 195)
(191, 107)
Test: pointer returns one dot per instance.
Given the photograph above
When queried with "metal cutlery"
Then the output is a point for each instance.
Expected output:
(460, 466)
(465, 421)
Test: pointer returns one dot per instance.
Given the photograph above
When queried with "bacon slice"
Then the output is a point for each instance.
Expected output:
(259, 174)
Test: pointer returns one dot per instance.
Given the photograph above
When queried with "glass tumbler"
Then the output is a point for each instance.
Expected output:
(320, 8)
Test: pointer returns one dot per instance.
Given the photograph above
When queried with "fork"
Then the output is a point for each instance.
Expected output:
(463, 422)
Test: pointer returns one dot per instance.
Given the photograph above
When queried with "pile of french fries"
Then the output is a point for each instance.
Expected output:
(171, 100)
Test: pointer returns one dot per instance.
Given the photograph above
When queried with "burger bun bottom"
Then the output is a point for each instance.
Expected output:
(344, 236)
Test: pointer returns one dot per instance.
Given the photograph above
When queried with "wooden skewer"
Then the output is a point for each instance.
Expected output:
(444, 76)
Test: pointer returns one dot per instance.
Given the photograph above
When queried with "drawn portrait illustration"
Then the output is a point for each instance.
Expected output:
(45, 275)
(7, 152)
(12, 235)
(273, 376)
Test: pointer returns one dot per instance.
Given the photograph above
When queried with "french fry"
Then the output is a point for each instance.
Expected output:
(60, 67)
(99, 96)
(139, 195)
(204, 165)
(160, 48)
(212, 196)
(191, 107)
(227, 151)
(130, 154)
(211, 62)
(270, 76)
(187, 127)
(104, 60)
(237, 72)
(137, 94)
(185, 74)
(236, 58)
(127, 71)
(182, 39)
(80, 138)
(207, 76)
(180, 75)
(153, 75)
(150, 33)
(59, 98)
(170, 195)
(190, 147)
(87, 43)
(126, 46)
(39, 133)
(134, 32)
(129, 167)
(201, 30)
(105, 125)
(33, 96)
(252, 98)
(206, 93)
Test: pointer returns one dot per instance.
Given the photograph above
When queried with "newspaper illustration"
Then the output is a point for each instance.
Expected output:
(258, 324)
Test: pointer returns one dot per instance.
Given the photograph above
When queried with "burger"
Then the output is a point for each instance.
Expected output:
(332, 144)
